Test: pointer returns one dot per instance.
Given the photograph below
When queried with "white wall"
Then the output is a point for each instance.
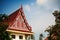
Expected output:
(17, 36)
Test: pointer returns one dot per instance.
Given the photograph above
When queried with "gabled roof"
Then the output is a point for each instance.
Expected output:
(12, 18)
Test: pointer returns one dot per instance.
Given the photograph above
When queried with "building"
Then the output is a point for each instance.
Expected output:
(18, 26)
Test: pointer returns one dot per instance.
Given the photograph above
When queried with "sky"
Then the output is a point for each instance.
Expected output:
(38, 12)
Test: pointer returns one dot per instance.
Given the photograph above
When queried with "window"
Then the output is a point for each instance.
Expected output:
(13, 36)
(20, 37)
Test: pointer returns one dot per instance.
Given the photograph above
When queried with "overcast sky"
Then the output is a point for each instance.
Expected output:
(38, 12)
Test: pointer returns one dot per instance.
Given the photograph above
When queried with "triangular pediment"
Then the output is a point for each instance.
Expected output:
(19, 21)
(19, 24)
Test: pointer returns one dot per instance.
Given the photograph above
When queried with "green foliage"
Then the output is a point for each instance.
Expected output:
(55, 28)
(3, 26)
(32, 37)
(2, 17)
(4, 35)
(41, 36)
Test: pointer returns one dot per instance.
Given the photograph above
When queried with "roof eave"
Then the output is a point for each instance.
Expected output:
(19, 32)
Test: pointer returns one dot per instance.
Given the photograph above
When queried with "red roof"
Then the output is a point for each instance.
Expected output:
(17, 21)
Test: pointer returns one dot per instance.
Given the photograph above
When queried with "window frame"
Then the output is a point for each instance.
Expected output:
(20, 37)
(13, 36)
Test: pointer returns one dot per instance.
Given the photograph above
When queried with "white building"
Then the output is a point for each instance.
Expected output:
(18, 26)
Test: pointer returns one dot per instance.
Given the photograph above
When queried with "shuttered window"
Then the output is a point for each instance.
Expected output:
(13, 36)
(20, 37)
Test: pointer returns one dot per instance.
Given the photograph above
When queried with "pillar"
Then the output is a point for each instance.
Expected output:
(23, 37)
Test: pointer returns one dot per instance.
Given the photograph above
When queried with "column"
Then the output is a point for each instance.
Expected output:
(23, 37)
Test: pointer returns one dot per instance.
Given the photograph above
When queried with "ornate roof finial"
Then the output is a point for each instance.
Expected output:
(21, 6)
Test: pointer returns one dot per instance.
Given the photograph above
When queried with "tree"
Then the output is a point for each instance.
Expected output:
(55, 29)
(40, 37)
(2, 17)
(4, 35)
(32, 37)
